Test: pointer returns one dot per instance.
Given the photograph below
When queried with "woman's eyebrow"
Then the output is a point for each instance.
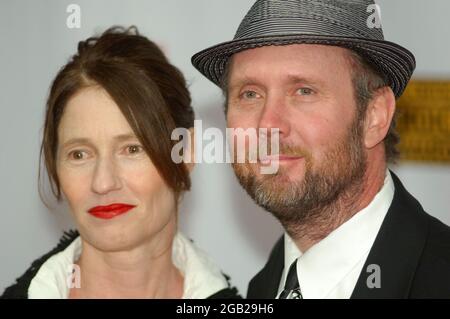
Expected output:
(125, 137)
(76, 140)
(85, 140)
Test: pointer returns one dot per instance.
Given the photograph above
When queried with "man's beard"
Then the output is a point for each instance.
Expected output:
(332, 182)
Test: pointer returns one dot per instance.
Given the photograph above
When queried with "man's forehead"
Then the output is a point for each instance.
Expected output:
(297, 62)
(240, 80)
(294, 50)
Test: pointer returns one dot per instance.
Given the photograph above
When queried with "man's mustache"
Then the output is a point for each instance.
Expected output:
(283, 149)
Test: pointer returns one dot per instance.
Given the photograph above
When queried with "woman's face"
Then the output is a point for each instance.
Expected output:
(115, 193)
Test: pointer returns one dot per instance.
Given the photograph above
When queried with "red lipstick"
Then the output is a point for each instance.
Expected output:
(110, 211)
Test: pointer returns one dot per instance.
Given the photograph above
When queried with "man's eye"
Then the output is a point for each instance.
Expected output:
(305, 91)
(250, 95)
(134, 149)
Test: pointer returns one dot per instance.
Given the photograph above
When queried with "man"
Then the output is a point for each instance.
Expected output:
(321, 73)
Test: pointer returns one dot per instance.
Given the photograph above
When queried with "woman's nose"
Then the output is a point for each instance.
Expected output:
(105, 177)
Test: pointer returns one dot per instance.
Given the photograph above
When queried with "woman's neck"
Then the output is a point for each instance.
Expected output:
(145, 271)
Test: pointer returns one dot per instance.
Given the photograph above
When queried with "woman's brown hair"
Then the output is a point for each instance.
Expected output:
(150, 92)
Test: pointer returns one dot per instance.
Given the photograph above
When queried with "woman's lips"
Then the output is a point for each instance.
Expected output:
(110, 211)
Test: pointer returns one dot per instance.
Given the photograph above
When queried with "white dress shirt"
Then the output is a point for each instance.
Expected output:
(331, 268)
(202, 278)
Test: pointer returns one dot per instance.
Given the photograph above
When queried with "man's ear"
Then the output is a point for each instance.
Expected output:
(379, 114)
(189, 154)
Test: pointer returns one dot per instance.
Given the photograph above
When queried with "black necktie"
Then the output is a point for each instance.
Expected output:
(292, 287)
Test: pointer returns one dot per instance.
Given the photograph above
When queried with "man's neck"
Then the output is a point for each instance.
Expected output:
(349, 203)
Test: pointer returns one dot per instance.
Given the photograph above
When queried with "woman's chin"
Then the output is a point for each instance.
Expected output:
(111, 239)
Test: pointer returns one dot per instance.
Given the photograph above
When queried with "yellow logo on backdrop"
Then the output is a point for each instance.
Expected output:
(424, 121)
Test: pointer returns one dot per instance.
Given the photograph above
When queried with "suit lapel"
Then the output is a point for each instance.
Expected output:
(265, 284)
(397, 248)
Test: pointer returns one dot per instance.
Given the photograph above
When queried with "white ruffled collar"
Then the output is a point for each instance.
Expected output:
(202, 278)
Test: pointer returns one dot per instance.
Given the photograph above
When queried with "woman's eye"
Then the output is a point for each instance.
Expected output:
(77, 155)
(305, 91)
(134, 149)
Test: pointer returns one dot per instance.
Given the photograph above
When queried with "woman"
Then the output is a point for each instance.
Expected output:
(107, 149)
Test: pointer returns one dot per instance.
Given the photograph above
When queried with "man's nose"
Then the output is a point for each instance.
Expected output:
(106, 177)
(274, 115)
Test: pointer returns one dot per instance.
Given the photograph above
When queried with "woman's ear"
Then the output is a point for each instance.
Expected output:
(189, 154)
(379, 114)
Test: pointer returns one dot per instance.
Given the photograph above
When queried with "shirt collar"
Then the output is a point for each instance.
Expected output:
(327, 263)
(202, 278)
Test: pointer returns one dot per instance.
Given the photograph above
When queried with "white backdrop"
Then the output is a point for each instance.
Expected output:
(35, 42)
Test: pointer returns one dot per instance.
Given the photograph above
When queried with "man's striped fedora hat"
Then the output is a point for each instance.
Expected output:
(344, 23)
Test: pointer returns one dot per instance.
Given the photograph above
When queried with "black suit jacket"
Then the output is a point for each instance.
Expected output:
(412, 249)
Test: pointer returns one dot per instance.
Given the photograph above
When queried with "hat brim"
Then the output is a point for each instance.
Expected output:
(392, 60)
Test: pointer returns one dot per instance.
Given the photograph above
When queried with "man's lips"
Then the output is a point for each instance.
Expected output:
(279, 158)
(110, 211)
